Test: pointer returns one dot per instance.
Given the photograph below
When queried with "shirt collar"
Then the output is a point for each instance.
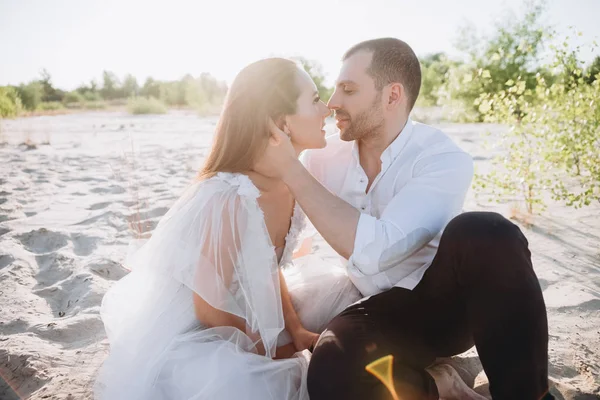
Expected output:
(393, 150)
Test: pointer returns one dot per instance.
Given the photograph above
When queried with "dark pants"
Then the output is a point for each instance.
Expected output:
(480, 290)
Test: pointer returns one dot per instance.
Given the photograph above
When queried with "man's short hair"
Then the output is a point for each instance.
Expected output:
(393, 61)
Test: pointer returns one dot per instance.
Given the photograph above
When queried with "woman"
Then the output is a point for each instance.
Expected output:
(206, 312)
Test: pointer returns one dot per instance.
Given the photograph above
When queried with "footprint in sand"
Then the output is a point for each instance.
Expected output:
(107, 269)
(112, 189)
(99, 206)
(53, 268)
(15, 326)
(17, 367)
(71, 295)
(42, 241)
(71, 331)
(84, 245)
(6, 260)
(154, 213)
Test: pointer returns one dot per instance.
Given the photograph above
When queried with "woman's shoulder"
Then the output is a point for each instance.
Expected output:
(239, 183)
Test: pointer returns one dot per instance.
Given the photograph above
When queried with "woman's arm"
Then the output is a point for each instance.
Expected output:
(292, 322)
(302, 338)
(213, 317)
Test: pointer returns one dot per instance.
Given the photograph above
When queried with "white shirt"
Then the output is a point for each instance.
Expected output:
(422, 185)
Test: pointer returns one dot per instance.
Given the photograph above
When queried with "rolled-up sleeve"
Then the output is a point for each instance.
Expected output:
(417, 213)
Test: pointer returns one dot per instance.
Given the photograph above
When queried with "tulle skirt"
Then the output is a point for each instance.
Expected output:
(221, 363)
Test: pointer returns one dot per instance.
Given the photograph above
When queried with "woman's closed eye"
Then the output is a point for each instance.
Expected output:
(317, 99)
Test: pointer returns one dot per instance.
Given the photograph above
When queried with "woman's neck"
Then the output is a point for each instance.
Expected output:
(267, 184)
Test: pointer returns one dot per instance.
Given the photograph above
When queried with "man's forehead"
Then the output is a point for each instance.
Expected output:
(354, 68)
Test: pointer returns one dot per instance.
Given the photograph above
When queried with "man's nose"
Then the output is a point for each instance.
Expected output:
(333, 103)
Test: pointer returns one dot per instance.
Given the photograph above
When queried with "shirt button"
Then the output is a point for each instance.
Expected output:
(363, 208)
(362, 180)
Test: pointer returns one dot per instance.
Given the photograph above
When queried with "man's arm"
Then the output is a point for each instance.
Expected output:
(416, 214)
(335, 219)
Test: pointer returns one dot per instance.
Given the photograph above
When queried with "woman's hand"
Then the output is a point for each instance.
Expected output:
(279, 156)
(304, 339)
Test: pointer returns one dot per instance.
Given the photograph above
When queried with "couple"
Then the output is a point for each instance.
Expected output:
(224, 301)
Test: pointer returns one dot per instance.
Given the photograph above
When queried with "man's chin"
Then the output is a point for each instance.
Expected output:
(346, 136)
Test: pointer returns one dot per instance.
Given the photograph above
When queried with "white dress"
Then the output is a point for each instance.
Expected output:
(214, 242)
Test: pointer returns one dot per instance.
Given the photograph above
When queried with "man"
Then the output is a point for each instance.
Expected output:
(387, 194)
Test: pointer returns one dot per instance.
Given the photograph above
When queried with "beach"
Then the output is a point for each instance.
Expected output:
(76, 189)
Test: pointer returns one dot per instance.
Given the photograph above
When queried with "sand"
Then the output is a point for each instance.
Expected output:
(73, 197)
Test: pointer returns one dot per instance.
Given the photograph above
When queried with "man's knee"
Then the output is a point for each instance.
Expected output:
(481, 226)
(327, 372)
(337, 356)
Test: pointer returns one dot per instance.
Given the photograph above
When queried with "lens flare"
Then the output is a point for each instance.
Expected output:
(382, 370)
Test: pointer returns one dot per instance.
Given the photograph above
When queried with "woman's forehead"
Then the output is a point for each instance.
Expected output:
(305, 82)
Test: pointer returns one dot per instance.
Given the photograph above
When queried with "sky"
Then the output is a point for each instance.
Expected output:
(75, 40)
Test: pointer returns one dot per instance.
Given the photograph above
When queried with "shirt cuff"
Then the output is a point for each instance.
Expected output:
(365, 235)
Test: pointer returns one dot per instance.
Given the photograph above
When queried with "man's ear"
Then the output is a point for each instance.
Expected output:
(396, 94)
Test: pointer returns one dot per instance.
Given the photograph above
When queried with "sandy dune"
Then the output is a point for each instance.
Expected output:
(68, 210)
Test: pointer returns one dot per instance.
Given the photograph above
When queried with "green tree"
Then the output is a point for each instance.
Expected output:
(151, 88)
(434, 68)
(110, 86)
(130, 86)
(511, 53)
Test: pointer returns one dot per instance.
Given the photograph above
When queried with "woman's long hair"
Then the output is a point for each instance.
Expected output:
(262, 90)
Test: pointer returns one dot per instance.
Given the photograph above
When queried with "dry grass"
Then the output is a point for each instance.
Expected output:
(28, 143)
(524, 217)
(139, 227)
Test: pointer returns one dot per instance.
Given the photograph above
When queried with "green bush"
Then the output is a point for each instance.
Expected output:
(31, 95)
(10, 102)
(73, 97)
(146, 105)
(92, 96)
(553, 145)
(50, 106)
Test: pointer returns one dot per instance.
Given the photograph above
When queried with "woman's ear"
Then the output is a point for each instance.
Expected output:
(286, 127)
(280, 122)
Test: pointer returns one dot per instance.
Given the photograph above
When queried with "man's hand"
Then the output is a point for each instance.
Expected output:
(279, 155)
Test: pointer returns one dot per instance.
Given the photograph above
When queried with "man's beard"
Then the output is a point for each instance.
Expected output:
(366, 124)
